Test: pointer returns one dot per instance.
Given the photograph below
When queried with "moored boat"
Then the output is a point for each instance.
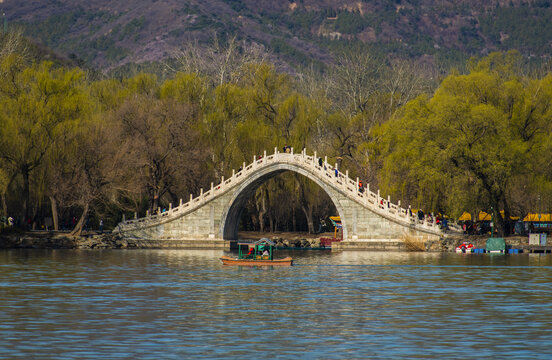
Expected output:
(287, 261)
(260, 254)
(465, 247)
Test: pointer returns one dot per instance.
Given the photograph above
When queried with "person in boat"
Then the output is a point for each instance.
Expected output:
(251, 253)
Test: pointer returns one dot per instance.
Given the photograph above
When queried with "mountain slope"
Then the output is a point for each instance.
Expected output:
(109, 33)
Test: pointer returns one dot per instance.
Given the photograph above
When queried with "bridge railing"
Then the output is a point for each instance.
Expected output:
(326, 172)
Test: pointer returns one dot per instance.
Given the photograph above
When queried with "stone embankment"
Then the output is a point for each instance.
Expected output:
(61, 240)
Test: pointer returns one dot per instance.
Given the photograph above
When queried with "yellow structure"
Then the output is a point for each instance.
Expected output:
(483, 216)
(538, 217)
(466, 216)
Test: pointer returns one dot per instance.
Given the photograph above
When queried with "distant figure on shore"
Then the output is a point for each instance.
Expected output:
(101, 226)
(321, 225)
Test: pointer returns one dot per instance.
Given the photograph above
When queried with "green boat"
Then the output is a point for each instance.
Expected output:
(260, 253)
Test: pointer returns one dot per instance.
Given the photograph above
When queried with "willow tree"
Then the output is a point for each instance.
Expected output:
(36, 102)
(479, 133)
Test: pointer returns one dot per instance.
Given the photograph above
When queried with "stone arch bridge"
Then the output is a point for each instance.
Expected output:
(213, 217)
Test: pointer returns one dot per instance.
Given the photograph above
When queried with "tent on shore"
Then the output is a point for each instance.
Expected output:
(466, 216)
(538, 217)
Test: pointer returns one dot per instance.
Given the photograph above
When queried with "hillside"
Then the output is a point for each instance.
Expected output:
(110, 33)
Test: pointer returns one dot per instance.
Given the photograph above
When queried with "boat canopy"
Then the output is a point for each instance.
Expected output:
(262, 241)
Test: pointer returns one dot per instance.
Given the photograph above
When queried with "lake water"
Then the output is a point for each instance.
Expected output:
(181, 304)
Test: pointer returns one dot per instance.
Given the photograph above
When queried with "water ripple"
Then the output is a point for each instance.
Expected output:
(174, 304)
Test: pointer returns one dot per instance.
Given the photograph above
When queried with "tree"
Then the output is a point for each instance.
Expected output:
(36, 102)
(222, 61)
(479, 133)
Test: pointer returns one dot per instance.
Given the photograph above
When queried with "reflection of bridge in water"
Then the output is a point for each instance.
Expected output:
(213, 217)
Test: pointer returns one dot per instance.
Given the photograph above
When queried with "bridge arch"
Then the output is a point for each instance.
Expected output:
(214, 214)
(232, 213)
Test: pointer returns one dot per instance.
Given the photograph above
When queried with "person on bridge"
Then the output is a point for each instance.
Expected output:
(360, 187)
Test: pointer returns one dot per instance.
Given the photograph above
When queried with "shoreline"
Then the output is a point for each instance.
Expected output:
(108, 240)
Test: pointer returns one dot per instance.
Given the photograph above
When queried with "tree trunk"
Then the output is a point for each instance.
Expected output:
(498, 220)
(26, 192)
(261, 216)
(308, 214)
(4, 204)
(55, 218)
(507, 222)
(78, 228)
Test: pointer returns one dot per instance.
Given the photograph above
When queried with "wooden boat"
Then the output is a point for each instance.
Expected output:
(226, 260)
(260, 254)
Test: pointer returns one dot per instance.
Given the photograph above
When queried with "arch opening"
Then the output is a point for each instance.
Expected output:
(230, 224)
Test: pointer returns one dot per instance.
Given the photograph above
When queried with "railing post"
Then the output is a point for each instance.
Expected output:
(367, 188)
(314, 158)
(201, 193)
(264, 155)
(212, 188)
(124, 217)
(170, 206)
(180, 202)
(135, 215)
(275, 150)
(222, 183)
(243, 166)
(304, 152)
(347, 174)
(147, 213)
(191, 197)
(254, 160)
(357, 183)
(233, 172)
(291, 151)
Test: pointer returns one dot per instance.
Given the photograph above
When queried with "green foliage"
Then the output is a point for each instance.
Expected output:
(133, 27)
(350, 22)
(479, 133)
(280, 46)
(51, 30)
(525, 28)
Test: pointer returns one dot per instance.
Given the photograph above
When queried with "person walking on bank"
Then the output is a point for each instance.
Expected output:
(101, 226)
